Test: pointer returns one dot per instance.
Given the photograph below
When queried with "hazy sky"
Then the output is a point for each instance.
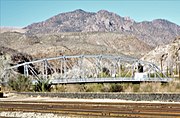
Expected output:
(21, 13)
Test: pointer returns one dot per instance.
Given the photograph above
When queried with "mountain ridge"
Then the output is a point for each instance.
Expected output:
(155, 32)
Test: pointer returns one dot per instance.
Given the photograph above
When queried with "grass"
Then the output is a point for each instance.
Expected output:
(107, 87)
(121, 87)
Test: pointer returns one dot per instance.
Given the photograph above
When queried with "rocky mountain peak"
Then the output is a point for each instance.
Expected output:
(160, 21)
(79, 11)
(127, 18)
(104, 12)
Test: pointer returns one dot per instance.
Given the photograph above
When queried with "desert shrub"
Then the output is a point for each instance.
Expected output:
(20, 84)
(151, 75)
(106, 87)
(42, 86)
(103, 74)
(106, 72)
(136, 87)
(173, 86)
(93, 87)
(116, 88)
(126, 85)
(178, 86)
(75, 88)
(125, 74)
(58, 88)
(146, 87)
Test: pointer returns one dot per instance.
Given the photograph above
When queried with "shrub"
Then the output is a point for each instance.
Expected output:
(106, 87)
(75, 88)
(21, 83)
(116, 88)
(136, 87)
(59, 88)
(42, 86)
(93, 87)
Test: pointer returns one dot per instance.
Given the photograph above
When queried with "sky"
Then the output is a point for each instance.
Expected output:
(20, 13)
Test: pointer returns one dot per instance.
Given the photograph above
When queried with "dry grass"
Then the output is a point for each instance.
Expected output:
(120, 87)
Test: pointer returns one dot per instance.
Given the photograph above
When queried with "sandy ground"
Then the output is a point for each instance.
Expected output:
(16, 97)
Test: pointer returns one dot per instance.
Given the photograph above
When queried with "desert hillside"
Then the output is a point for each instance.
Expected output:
(166, 56)
(51, 45)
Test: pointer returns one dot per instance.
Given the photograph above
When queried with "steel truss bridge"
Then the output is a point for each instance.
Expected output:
(88, 69)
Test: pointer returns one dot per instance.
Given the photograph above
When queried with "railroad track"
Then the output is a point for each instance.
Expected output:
(105, 109)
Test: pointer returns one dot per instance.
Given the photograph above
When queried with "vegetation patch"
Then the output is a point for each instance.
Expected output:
(20, 84)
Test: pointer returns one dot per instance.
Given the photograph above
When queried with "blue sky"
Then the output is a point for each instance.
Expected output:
(21, 13)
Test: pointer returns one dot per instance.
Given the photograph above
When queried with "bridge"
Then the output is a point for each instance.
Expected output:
(88, 69)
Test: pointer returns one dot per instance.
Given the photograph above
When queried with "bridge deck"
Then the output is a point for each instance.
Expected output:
(105, 80)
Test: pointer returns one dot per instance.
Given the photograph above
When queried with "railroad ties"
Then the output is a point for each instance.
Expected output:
(95, 109)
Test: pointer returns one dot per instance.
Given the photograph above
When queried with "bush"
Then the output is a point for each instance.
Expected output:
(20, 84)
(116, 88)
(58, 88)
(106, 87)
(136, 87)
(42, 86)
(93, 87)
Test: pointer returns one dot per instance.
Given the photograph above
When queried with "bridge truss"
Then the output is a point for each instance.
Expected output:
(87, 69)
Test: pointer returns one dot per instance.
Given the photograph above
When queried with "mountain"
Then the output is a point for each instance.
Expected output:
(153, 33)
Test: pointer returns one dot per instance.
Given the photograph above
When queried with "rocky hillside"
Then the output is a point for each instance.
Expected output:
(153, 33)
(167, 55)
(10, 57)
(51, 45)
